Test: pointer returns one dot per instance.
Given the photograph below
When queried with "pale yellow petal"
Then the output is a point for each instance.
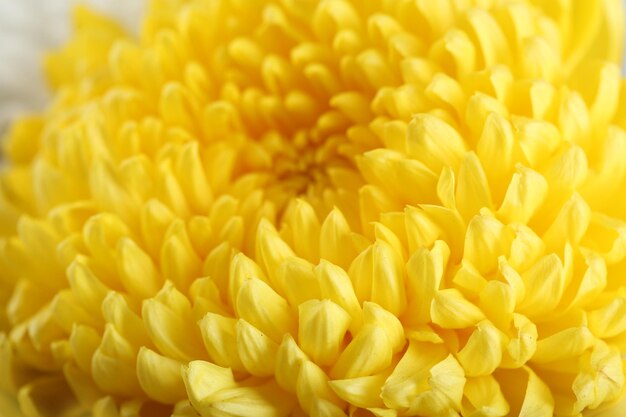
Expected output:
(261, 306)
(321, 330)
(482, 353)
(369, 352)
(450, 310)
(159, 376)
(256, 350)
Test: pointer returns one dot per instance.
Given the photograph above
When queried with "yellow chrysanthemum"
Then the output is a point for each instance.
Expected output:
(324, 208)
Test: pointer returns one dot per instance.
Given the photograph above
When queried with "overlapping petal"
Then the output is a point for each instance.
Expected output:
(321, 208)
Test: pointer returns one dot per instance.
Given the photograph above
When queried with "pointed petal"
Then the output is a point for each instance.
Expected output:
(296, 276)
(376, 315)
(289, 360)
(159, 376)
(363, 392)
(220, 340)
(369, 352)
(450, 310)
(312, 385)
(472, 191)
(335, 285)
(256, 350)
(137, 270)
(378, 276)
(322, 327)
(261, 306)
(482, 353)
(483, 395)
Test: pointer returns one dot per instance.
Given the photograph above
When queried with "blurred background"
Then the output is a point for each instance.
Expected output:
(30, 27)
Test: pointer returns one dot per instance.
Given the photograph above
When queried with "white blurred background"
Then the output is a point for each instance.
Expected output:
(30, 27)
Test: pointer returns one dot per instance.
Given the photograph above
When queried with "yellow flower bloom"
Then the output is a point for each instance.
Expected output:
(324, 208)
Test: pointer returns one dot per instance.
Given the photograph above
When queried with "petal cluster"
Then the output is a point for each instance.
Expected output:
(321, 208)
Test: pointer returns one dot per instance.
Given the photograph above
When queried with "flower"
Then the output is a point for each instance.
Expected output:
(324, 208)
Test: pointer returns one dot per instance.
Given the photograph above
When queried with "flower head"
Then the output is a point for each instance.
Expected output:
(324, 208)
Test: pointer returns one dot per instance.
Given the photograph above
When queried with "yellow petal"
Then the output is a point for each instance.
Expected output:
(159, 376)
(66, 309)
(206, 298)
(369, 352)
(523, 342)
(336, 286)
(312, 385)
(297, 278)
(105, 407)
(137, 271)
(304, 222)
(469, 280)
(497, 301)
(220, 340)
(603, 378)
(289, 360)
(397, 174)
(421, 229)
(485, 241)
(376, 315)
(426, 381)
(267, 400)
(570, 224)
(545, 283)
(484, 396)
(84, 341)
(497, 151)
(323, 408)
(472, 192)
(169, 333)
(491, 42)
(256, 350)
(322, 327)
(482, 353)
(155, 219)
(450, 310)
(424, 270)
(525, 194)
(113, 364)
(261, 306)
(46, 397)
(216, 266)
(455, 51)
(528, 395)
(434, 142)
(378, 276)
(335, 241)
(101, 233)
(205, 381)
(81, 384)
(526, 249)
(446, 91)
(241, 269)
(193, 178)
(271, 250)
(86, 287)
(179, 262)
(568, 343)
(608, 320)
(117, 311)
(363, 392)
